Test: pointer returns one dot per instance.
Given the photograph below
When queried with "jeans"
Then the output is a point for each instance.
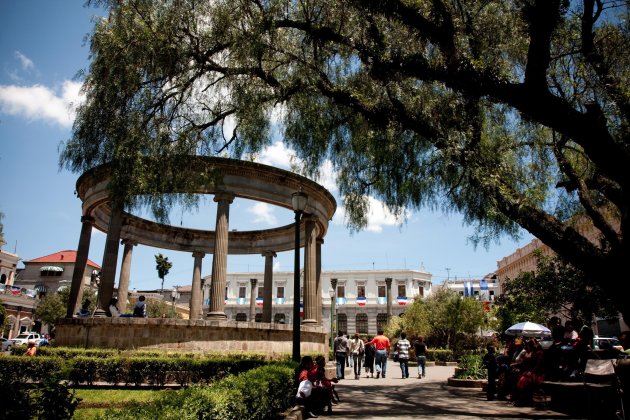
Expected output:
(381, 362)
(357, 364)
(341, 364)
(422, 362)
(404, 367)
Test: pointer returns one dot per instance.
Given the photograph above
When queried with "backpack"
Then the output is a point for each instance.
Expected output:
(138, 312)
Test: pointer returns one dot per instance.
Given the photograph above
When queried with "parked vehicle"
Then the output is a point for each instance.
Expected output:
(5, 343)
(24, 338)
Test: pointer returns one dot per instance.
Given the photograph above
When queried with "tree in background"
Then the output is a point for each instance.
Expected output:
(160, 309)
(163, 266)
(513, 113)
(442, 316)
(53, 306)
(556, 287)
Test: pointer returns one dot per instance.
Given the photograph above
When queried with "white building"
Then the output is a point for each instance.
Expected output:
(485, 289)
(361, 296)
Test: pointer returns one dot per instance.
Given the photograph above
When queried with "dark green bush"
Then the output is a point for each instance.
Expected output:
(440, 355)
(471, 367)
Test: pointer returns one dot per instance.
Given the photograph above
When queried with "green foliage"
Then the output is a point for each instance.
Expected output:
(555, 287)
(55, 400)
(440, 355)
(51, 308)
(442, 316)
(2, 241)
(163, 266)
(260, 393)
(4, 320)
(471, 367)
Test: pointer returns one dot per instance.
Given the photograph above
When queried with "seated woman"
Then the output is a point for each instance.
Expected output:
(324, 385)
(305, 375)
(531, 373)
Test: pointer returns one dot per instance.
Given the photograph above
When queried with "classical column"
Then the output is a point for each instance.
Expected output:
(110, 256)
(310, 270)
(195, 292)
(219, 260)
(388, 290)
(318, 283)
(125, 270)
(252, 301)
(268, 285)
(333, 312)
(76, 287)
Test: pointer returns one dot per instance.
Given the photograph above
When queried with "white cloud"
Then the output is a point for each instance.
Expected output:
(277, 155)
(263, 213)
(328, 176)
(276, 266)
(378, 216)
(39, 102)
(27, 63)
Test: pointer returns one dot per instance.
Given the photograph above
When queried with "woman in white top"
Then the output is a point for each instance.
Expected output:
(357, 350)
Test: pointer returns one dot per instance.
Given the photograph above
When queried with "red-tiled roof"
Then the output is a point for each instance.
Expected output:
(67, 256)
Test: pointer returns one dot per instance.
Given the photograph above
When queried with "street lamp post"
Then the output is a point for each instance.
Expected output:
(174, 297)
(298, 200)
(331, 292)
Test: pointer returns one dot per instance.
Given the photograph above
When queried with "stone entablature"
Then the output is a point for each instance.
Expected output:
(188, 335)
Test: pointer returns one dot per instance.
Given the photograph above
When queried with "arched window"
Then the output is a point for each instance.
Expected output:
(241, 316)
(279, 319)
(381, 322)
(258, 317)
(362, 323)
(342, 323)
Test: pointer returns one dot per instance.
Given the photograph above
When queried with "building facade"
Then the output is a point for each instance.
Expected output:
(359, 297)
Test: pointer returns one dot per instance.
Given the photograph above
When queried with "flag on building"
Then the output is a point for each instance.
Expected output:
(361, 301)
(382, 300)
(279, 301)
(468, 289)
(259, 301)
(341, 301)
(301, 310)
(240, 301)
(402, 300)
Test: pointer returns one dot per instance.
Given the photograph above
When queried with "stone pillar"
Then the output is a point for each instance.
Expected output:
(252, 301)
(388, 290)
(196, 298)
(318, 283)
(110, 256)
(310, 292)
(125, 270)
(76, 287)
(268, 285)
(219, 260)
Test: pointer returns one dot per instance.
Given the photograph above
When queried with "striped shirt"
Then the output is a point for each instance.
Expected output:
(403, 348)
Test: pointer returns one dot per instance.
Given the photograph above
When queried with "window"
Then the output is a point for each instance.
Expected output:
(280, 293)
(381, 291)
(241, 316)
(361, 291)
(261, 291)
(279, 319)
(402, 290)
(226, 289)
(342, 323)
(242, 290)
(381, 322)
(362, 323)
(258, 317)
(341, 291)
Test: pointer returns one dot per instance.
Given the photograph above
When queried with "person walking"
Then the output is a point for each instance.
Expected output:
(421, 356)
(356, 350)
(369, 359)
(402, 347)
(381, 344)
(340, 346)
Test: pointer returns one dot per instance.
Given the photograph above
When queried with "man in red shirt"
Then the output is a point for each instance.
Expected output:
(381, 344)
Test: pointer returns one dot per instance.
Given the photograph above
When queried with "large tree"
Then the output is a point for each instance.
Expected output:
(163, 266)
(512, 112)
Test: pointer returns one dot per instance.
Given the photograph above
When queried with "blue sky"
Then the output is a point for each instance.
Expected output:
(42, 47)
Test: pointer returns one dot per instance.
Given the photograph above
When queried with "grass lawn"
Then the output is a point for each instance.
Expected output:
(95, 401)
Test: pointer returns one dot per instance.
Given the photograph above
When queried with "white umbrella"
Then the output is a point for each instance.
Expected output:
(528, 329)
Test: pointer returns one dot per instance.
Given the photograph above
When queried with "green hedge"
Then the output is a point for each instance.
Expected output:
(72, 352)
(126, 370)
(440, 355)
(259, 393)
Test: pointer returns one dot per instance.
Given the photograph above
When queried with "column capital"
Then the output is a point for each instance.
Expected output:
(224, 196)
(128, 242)
(198, 254)
(269, 254)
(320, 241)
(388, 281)
(87, 219)
(253, 282)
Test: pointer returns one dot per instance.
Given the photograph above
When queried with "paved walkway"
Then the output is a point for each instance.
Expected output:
(430, 397)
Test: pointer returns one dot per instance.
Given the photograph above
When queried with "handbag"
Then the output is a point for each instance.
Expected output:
(396, 356)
